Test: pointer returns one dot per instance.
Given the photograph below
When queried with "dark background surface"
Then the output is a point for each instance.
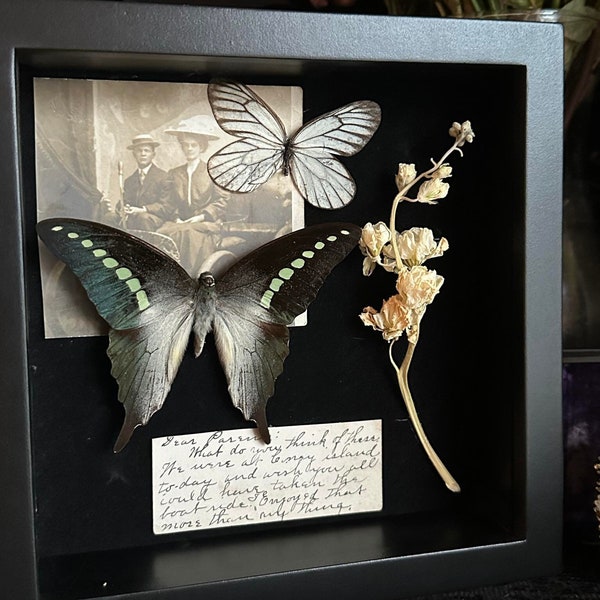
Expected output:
(89, 500)
(74, 394)
(474, 396)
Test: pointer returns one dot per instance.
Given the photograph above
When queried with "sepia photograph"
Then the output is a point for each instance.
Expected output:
(133, 155)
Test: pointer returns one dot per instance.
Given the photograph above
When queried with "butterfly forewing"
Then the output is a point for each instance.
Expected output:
(241, 113)
(130, 282)
(147, 299)
(342, 132)
(284, 276)
(259, 296)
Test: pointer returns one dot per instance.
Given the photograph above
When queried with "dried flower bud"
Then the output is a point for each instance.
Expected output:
(392, 320)
(432, 190)
(417, 245)
(462, 132)
(455, 129)
(372, 241)
(373, 238)
(406, 174)
(442, 172)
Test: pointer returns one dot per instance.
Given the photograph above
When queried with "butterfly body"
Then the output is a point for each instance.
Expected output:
(153, 306)
(264, 147)
(287, 154)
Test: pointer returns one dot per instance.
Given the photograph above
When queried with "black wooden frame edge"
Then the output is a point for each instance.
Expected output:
(184, 30)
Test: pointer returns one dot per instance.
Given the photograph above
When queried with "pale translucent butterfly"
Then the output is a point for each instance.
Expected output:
(308, 155)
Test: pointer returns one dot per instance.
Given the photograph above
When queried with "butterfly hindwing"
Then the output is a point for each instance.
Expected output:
(323, 181)
(130, 282)
(244, 165)
(259, 296)
(309, 155)
(144, 363)
(251, 352)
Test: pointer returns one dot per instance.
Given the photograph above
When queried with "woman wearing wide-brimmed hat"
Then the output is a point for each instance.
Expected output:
(197, 206)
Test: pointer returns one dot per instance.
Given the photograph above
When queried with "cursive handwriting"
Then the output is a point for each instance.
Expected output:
(231, 478)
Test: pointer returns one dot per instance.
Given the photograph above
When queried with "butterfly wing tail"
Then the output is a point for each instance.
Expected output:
(263, 427)
(129, 425)
(252, 353)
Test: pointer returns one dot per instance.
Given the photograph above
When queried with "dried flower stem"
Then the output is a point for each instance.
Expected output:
(402, 371)
(402, 375)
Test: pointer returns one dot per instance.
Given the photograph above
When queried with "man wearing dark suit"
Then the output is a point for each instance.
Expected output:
(143, 190)
(197, 205)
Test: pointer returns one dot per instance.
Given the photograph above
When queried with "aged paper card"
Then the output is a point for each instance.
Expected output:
(86, 168)
(227, 478)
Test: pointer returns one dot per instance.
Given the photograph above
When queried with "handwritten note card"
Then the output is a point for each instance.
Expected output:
(230, 478)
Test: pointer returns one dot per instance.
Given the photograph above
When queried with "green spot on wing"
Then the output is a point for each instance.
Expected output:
(266, 298)
(73, 235)
(87, 243)
(345, 232)
(142, 300)
(99, 253)
(134, 284)
(109, 262)
(123, 273)
(286, 273)
(298, 263)
(331, 238)
(319, 245)
(308, 254)
(57, 228)
(276, 284)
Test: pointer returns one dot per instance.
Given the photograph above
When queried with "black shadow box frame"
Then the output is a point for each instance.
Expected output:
(75, 519)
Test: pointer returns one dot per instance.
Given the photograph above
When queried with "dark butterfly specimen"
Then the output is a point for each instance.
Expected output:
(308, 156)
(152, 306)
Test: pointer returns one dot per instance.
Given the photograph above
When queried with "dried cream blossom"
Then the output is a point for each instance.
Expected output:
(417, 244)
(432, 190)
(442, 172)
(372, 241)
(462, 132)
(406, 174)
(417, 287)
(391, 320)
